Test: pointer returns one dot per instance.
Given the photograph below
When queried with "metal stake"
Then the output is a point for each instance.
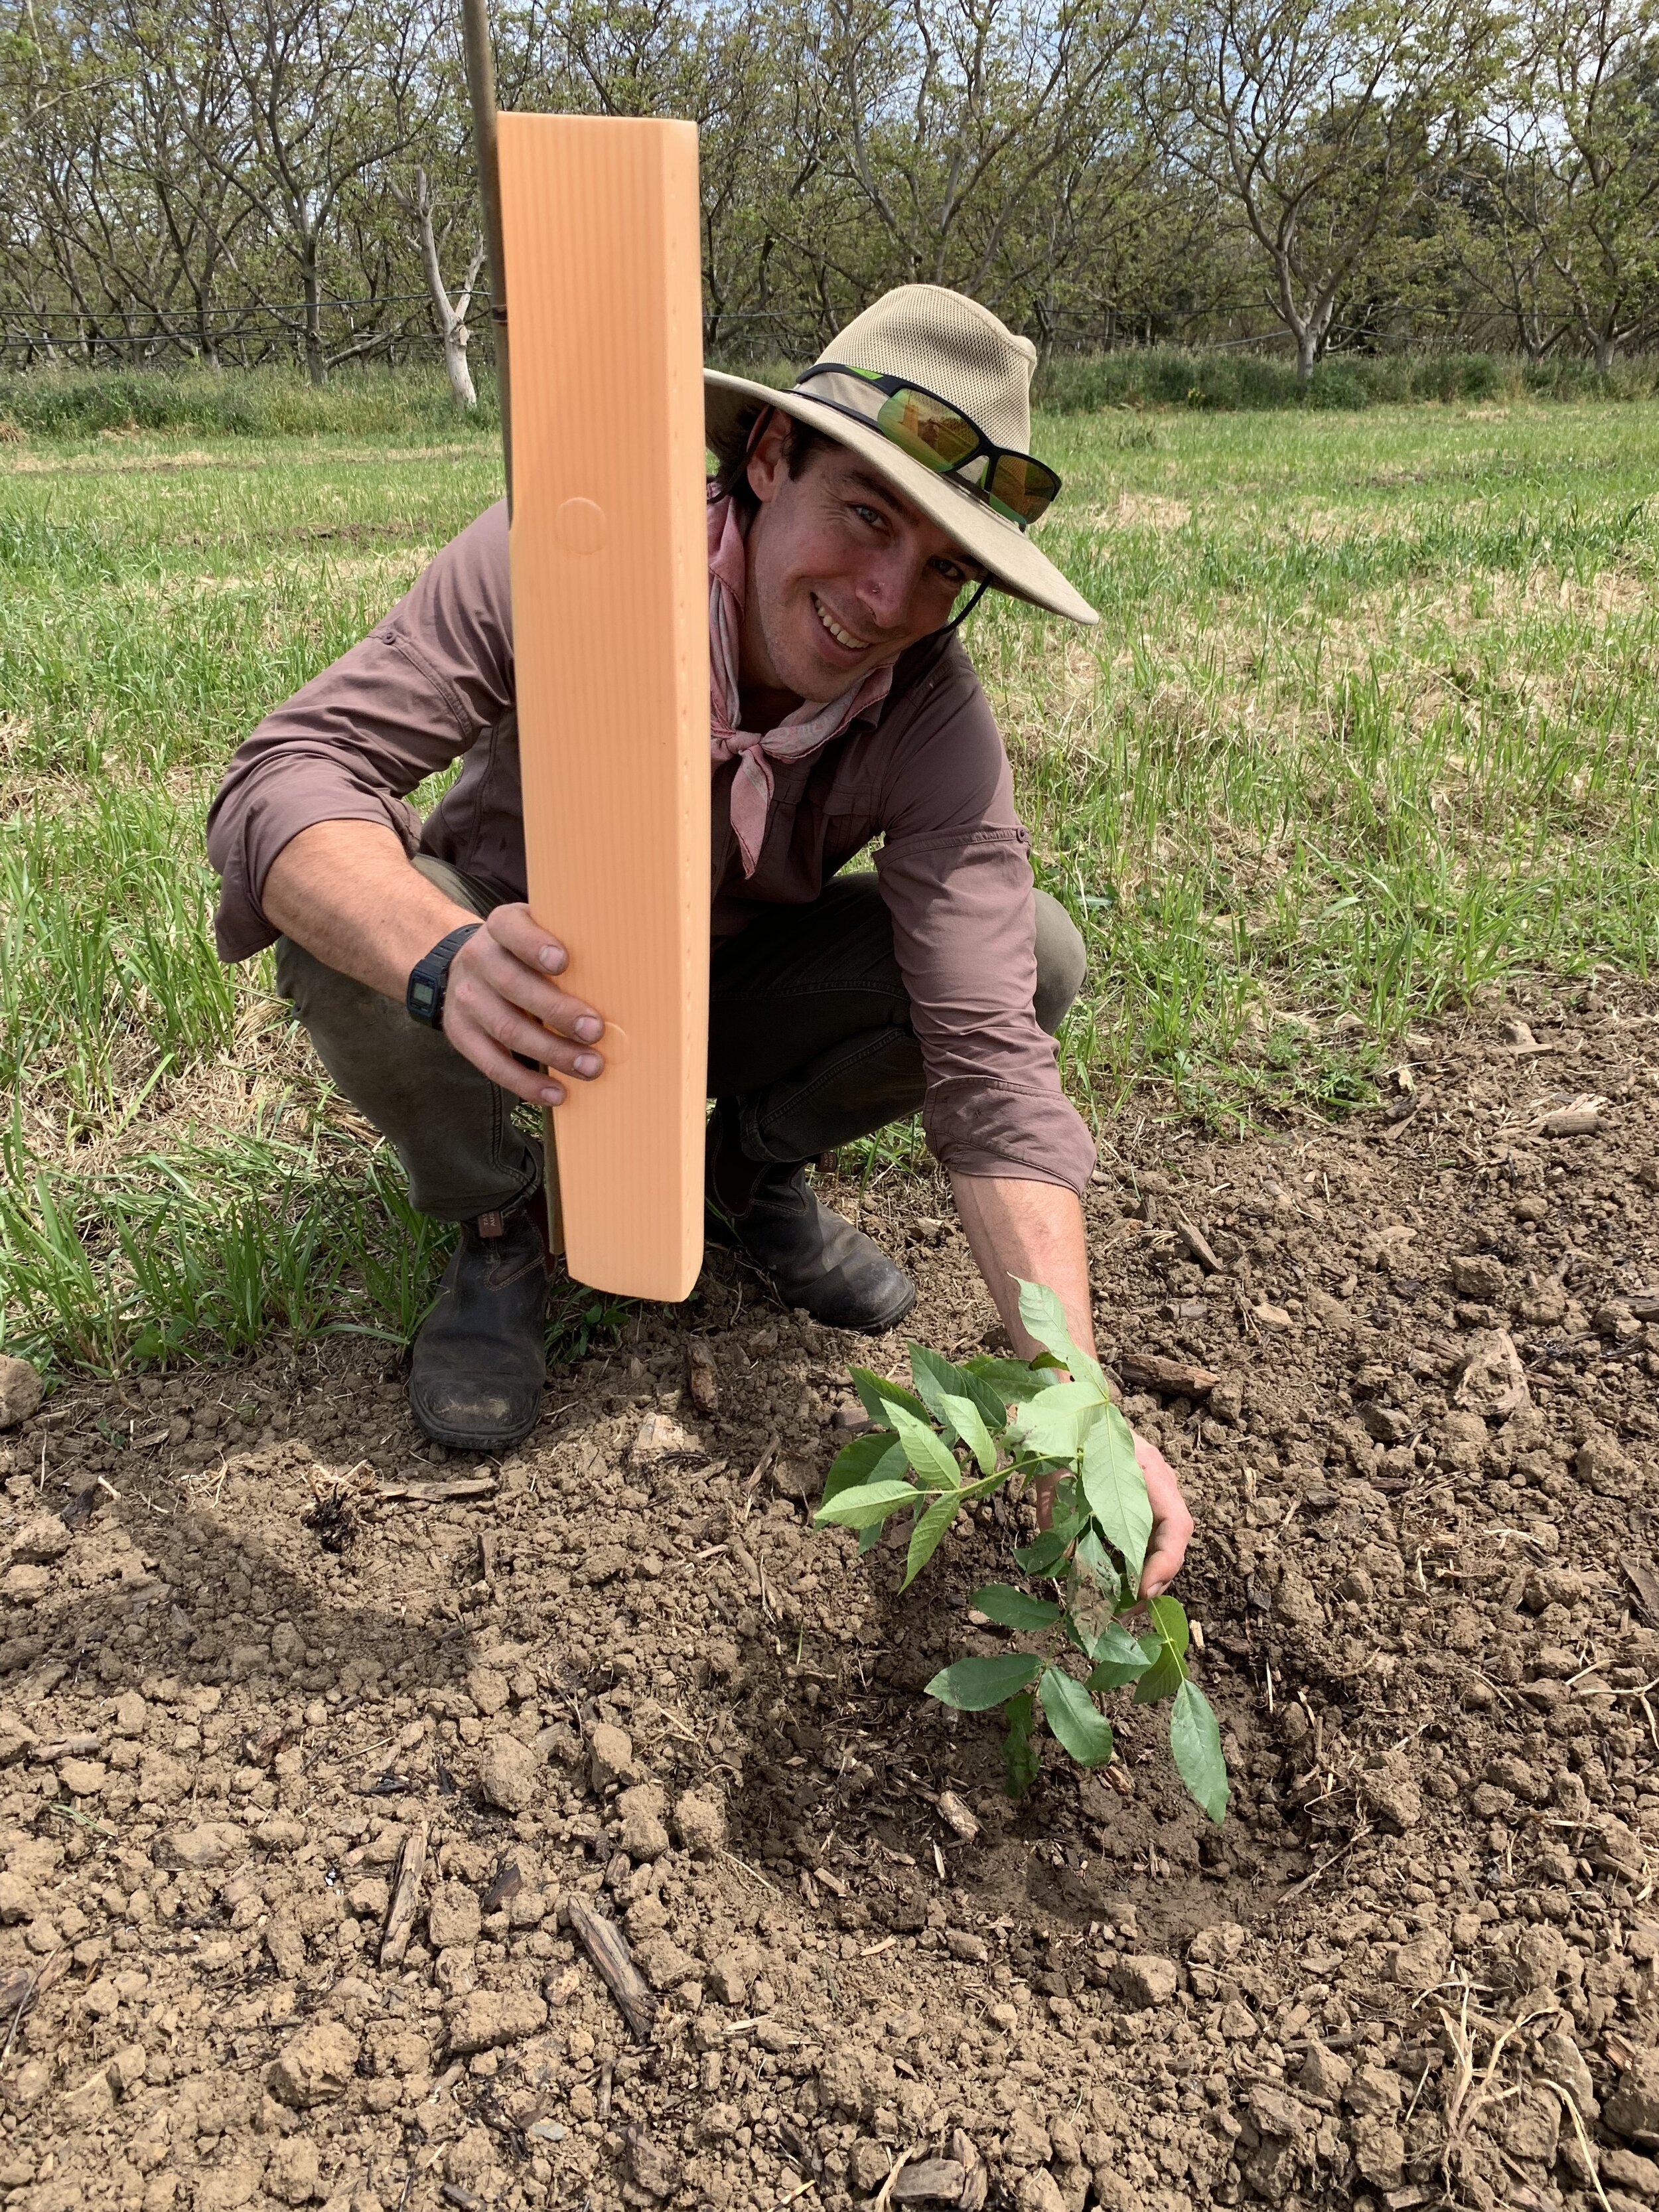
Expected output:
(481, 87)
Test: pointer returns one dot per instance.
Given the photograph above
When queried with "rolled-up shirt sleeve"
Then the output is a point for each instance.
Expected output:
(955, 871)
(349, 746)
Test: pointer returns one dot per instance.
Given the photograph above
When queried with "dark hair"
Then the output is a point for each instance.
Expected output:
(732, 457)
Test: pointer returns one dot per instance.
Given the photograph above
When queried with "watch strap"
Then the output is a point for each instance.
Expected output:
(428, 979)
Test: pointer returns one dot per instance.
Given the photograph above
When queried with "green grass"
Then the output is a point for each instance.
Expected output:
(1367, 728)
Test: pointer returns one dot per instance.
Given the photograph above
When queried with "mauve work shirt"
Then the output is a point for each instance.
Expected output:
(924, 769)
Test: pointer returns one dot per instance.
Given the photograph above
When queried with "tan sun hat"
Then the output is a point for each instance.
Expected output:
(949, 346)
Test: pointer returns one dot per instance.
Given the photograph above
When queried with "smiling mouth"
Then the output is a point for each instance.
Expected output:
(844, 638)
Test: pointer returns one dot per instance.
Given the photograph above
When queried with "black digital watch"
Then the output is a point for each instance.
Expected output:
(428, 979)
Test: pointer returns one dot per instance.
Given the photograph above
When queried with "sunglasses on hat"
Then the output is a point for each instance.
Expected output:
(942, 438)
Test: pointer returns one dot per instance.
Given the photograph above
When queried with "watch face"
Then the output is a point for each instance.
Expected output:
(423, 996)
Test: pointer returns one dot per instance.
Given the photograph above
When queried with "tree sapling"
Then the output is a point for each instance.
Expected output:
(963, 1433)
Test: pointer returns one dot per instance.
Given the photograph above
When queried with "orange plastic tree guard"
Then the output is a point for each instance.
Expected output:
(599, 221)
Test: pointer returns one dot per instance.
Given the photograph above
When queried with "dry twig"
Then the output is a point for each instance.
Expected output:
(406, 1896)
(606, 1946)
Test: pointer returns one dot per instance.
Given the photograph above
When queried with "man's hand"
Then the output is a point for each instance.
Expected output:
(1172, 1524)
(347, 891)
(502, 1003)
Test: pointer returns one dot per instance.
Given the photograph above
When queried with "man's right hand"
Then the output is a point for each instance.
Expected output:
(502, 1002)
(347, 891)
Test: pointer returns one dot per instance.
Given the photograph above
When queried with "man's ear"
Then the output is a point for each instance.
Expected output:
(767, 466)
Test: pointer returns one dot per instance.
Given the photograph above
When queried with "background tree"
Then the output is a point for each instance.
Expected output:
(330, 90)
(421, 206)
(1323, 122)
(1579, 173)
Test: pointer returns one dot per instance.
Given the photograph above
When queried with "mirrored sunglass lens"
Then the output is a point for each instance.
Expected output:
(1023, 487)
(928, 431)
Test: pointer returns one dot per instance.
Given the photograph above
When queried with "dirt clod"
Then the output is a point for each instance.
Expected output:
(703, 1376)
(510, 1774)
(1494, 1379)
(42, 1539)
(21, 1390)
(1632, 2110)
(699, 1822)
(314, 2066)
(868, 2165)
(610, 1752)
(930, 2181)
(486, 2018)
(652, 2165)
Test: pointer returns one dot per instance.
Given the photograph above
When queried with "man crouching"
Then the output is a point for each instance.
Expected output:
(848, 519)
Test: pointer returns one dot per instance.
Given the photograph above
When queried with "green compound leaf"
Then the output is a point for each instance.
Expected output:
(1045, 1319)
(1073, 1717)
(1166, 1649)
(1054, 1425)
(927, 1451)
(1117, 1491)
(928, 1533)
(1010, 1381)
(1118, 1659)
(1071, 1514)
(869, 1505)
(1014, 1608)
(865, 1460)
(937, 1380)
(879, 1396)
(1020, 1757)
(1196, 1746)
(974, 1685)
(963, 1415)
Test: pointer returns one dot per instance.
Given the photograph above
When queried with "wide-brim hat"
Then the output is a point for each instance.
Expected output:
(952, 347)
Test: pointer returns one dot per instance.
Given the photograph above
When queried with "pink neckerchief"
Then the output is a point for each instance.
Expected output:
(799, 735)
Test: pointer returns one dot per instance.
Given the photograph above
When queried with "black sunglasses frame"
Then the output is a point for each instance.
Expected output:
(892, 386)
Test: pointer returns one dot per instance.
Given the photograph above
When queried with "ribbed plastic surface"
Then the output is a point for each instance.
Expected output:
(611, 639)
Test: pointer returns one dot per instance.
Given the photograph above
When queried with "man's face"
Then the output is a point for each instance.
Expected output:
(844, 573)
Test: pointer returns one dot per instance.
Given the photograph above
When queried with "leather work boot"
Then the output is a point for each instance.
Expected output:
(813, 1259)
(476, 1377)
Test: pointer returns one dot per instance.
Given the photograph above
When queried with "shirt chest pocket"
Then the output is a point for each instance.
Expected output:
(847, 822)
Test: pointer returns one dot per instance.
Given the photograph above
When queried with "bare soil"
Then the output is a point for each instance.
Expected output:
(1416, 1964)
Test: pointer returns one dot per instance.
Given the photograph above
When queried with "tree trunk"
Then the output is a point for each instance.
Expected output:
(1607, 347)
(206, 338)
(452, 317)
(316, 358)
(460, 376)
(1306, 352)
